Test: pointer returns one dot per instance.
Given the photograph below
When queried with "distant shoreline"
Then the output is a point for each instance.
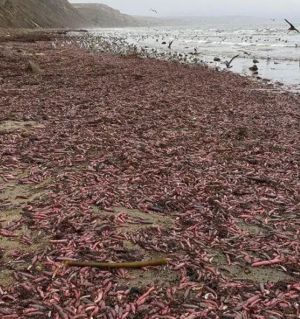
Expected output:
(275, 51)
(23, 35)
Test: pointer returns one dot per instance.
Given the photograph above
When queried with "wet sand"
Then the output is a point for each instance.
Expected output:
(117, 159)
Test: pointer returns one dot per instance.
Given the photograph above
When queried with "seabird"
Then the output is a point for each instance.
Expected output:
(228, 64)
(254, 68)
(170, 44)
(153, 10)
(292, 27)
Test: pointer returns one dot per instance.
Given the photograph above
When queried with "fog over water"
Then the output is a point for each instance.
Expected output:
(265, 8)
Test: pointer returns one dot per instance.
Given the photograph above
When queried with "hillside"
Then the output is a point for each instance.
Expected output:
(39, 13)
(101, 15)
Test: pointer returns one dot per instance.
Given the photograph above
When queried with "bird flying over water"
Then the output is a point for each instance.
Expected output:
(153, 10)
(228, 64)
(170, 44)
(292, 27)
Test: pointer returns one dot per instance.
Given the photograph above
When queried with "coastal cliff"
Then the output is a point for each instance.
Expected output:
(38, 13)
(101, 15)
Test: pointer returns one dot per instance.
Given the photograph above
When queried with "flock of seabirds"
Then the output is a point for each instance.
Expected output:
(118, 45)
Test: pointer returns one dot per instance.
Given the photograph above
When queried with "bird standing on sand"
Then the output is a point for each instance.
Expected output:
(292, 27)
(254, 68)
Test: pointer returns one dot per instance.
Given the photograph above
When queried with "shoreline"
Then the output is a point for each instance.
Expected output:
(278, 71)
(121, 159)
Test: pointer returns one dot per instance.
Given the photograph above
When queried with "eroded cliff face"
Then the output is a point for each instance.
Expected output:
(101, 15)
(39, 13)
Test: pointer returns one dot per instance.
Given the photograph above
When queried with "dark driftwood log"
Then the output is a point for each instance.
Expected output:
(136, 264)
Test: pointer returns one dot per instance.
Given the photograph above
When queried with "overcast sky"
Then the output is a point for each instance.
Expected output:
(267, 8)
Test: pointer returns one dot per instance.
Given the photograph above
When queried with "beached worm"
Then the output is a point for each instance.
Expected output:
(103, 265)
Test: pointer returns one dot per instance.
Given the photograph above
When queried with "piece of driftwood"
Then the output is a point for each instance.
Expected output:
(103, 265)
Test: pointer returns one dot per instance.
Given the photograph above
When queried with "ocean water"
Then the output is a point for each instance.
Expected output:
(276, 50)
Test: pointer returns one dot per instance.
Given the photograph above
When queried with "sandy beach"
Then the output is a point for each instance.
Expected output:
(123, 159)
